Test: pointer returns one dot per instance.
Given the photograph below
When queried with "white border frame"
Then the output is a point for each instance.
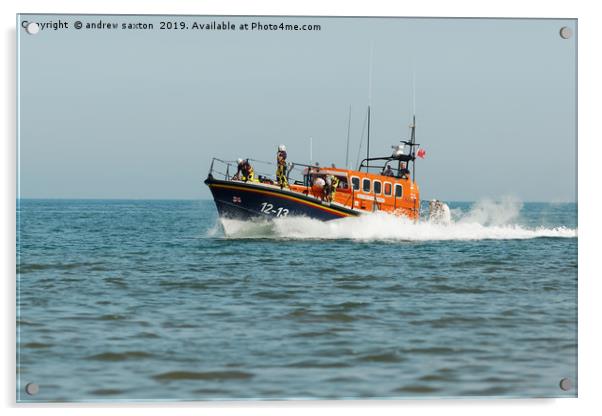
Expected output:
(590, 32)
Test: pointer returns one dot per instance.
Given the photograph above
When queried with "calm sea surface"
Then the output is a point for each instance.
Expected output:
(150, 300)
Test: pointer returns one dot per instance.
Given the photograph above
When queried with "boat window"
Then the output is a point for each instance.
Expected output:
(388, 188)
(377, 187)
(398, 191)
(356, 183)
(366, 185)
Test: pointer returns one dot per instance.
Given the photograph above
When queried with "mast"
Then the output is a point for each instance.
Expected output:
(413, 133)
(413, 141)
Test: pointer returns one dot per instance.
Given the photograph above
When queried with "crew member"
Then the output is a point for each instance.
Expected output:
(388, 171)
(244, 171)
(239, 168)
(335, 183)
(319, 184)
(403, 170)
(281, 166)
(331, 187)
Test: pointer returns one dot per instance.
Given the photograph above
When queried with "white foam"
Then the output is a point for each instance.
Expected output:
(490, 212)
(485, 220)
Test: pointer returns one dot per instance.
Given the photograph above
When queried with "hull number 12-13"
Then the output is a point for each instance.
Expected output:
(269, 209)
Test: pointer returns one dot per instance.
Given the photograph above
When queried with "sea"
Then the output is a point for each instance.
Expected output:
(151, 300)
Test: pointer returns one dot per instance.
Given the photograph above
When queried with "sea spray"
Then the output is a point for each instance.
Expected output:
(490, 212)
(486, 219)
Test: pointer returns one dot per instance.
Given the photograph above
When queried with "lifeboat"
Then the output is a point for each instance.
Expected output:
(384, 184)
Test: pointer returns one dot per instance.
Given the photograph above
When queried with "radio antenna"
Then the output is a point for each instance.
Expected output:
(348, 133)
(359, 149)
(369, 103)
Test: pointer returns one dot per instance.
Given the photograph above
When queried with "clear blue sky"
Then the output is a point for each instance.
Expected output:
(139, 114)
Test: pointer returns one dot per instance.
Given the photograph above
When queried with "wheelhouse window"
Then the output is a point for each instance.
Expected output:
(398, 191)
(366, 185)
(377, 187)
(355, 181)
(388, 188)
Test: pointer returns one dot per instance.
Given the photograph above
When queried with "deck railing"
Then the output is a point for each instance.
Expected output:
(226, 170)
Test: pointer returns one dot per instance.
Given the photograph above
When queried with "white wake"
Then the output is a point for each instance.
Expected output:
(483, 221)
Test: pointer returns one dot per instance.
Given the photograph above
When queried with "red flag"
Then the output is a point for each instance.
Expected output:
(421, 153)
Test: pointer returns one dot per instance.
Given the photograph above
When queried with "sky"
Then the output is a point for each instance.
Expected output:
(140, 113)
